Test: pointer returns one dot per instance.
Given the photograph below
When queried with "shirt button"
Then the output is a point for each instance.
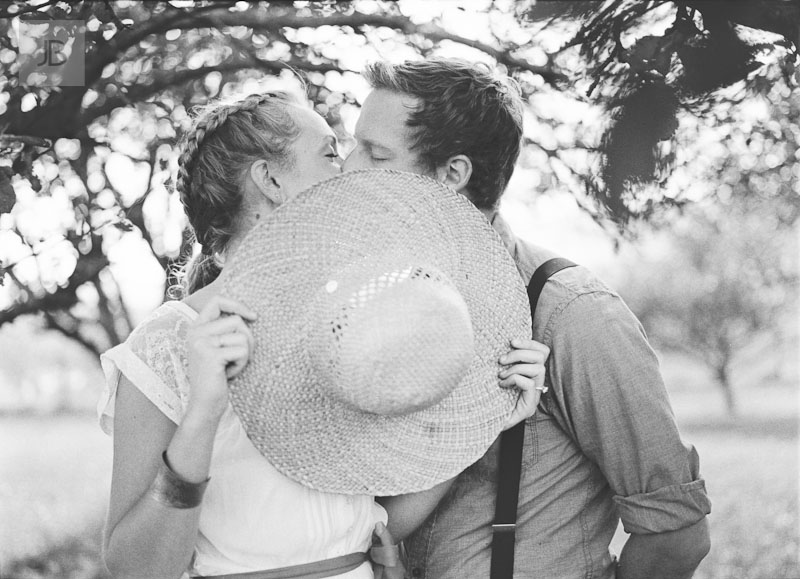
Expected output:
(416, 572)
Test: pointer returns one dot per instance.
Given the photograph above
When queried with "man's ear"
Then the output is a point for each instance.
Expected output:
(456, 172)
(265, 182)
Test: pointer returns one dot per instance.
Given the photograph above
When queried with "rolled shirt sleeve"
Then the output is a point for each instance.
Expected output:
(611, 398)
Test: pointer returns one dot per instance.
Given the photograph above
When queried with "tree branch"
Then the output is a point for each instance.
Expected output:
(63, 297)
(72, 334)
(550, 75)
(124, 39)
(27, 10)
(6, 140)
(140, 93)
(268, 22)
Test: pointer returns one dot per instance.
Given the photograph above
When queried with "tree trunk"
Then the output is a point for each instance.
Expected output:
(727, 388)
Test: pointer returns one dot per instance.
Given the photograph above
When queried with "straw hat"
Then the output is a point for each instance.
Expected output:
(384, 300)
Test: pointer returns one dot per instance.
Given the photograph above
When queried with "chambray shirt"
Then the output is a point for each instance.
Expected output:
(602, 446)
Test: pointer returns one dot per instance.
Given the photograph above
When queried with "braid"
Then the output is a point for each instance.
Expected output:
(215, 155)
(207, 124)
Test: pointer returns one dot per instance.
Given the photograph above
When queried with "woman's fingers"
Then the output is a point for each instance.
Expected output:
(233, 339)
(237, 357)
(221, 333)
(385, 555)
(383, 535)
(218, 305)
(227, 324)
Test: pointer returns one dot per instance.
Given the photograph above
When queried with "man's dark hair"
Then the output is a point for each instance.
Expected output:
(464, 110)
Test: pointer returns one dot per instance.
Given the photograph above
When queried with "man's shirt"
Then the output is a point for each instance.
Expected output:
(602, 446)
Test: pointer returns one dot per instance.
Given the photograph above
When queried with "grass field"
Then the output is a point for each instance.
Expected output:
(54, 478)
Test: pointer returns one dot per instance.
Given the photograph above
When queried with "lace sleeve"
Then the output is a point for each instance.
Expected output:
(153, 358)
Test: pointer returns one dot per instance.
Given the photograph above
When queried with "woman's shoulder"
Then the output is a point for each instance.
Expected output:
(170, 319)
(159, 340)
(153, 359)
(197, 300)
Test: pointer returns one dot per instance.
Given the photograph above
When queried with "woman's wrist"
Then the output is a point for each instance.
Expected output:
(173, 490)
(189, 451)
(202, 415)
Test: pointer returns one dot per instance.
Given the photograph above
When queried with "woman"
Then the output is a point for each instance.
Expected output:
(167, 395)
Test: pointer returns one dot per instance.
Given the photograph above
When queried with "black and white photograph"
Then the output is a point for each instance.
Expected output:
(413, 289)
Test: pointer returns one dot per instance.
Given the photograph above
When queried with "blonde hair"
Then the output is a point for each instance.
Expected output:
(227, 137)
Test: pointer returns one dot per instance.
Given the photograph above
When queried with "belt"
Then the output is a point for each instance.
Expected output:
(315, 570)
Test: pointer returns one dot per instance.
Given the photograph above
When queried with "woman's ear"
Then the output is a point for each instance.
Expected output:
(265, 183)
(455, 172)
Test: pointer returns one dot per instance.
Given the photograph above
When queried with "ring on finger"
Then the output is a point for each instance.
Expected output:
(542, 389)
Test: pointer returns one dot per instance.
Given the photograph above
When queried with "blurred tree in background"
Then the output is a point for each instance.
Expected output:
(87, 169)
(718, 285)
(725, 272)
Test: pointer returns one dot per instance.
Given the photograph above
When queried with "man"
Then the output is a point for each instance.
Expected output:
(603, 444)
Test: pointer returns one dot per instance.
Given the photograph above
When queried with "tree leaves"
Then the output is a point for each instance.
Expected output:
(644, 80)
(643, 118)
(715, 61)
(7, 195)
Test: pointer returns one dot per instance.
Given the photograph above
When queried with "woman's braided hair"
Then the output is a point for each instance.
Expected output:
(217, 152)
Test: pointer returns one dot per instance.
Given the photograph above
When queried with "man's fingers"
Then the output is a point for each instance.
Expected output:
(529, 344)
(524, 409)
(526, 403)
(518, 381)
(526, 370)
(526, 356)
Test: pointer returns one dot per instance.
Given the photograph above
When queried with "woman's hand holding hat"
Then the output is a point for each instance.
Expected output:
(524, 370)
(219, 345)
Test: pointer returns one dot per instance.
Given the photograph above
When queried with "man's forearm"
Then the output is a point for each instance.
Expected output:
(672, 555)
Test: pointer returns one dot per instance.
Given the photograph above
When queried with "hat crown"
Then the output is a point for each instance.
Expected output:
(392, 343)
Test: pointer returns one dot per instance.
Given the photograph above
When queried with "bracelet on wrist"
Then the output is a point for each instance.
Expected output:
(169, 488)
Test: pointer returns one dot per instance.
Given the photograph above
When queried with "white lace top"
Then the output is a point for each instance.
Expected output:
(253, 517)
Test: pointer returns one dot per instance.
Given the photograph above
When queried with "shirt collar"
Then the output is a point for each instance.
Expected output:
(506, 235)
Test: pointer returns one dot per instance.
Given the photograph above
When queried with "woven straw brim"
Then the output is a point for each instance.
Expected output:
(282, 265)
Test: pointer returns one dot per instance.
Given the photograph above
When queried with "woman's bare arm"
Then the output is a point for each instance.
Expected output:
(144, 537)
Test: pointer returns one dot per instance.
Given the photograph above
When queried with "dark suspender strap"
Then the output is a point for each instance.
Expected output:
(510, 461)
(540, 277)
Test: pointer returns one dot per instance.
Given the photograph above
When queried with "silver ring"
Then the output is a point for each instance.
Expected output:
(542, 389)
